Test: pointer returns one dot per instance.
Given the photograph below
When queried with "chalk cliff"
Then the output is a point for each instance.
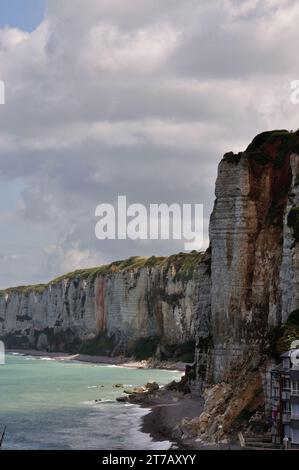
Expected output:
(254, 296)
(254, 254)
(140, 306)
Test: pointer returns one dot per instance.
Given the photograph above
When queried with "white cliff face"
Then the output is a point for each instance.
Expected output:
(254, 285)
(125, 305)
(233, 223)
(254, 256)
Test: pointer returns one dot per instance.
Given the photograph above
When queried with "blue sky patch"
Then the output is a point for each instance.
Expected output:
(22, 14)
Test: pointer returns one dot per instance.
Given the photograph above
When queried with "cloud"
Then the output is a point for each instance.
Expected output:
(107, 49)
(136, 98)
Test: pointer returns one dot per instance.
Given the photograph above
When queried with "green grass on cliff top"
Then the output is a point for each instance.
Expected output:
(280, 337)
(269, 147)
(273, 147)
(183, 263)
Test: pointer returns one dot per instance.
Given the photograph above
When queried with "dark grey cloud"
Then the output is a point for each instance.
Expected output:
(136, 98)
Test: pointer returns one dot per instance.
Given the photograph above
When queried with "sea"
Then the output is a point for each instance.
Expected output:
(50, 404)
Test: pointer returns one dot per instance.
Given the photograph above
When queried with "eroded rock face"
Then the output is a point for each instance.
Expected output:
(227, 405)
(254, 254)
(254, 251)
(138, 307)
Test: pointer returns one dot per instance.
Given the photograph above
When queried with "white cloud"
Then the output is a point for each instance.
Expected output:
(64, 260)
(11, 37)
(108, 49)
(137, 98)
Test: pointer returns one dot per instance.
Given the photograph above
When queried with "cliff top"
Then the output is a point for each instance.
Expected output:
(268, 156)
(273, 147)
(183, 263)
(269, 147)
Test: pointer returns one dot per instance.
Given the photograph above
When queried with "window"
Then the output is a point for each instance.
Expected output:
(286, 406)
(295, 436)
(295, 409)
(275, 392)
(286, 384)
(287, 430)
(295, 387)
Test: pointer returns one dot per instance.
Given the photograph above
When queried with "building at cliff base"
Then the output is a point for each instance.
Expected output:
(285, 398)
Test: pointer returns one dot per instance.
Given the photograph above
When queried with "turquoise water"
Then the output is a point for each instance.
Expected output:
(47, 404)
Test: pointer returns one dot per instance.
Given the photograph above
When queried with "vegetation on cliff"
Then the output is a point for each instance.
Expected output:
(269, 160)
(273, 147)
(38, 288)
(281, 337)
(183, 264)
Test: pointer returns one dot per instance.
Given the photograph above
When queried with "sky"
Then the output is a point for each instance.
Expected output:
(23, 14)
(118, 97)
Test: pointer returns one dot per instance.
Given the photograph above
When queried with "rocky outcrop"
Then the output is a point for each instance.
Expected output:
(254, 234)
(141, 307)
(226, 406)
(254, 254)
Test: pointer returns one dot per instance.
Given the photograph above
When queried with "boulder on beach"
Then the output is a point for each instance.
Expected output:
(122, 399)
(152, 386)
(134, 390)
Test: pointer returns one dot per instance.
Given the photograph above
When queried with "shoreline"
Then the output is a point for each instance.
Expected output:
(115, 361)
(165, 416)
(164, 410)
